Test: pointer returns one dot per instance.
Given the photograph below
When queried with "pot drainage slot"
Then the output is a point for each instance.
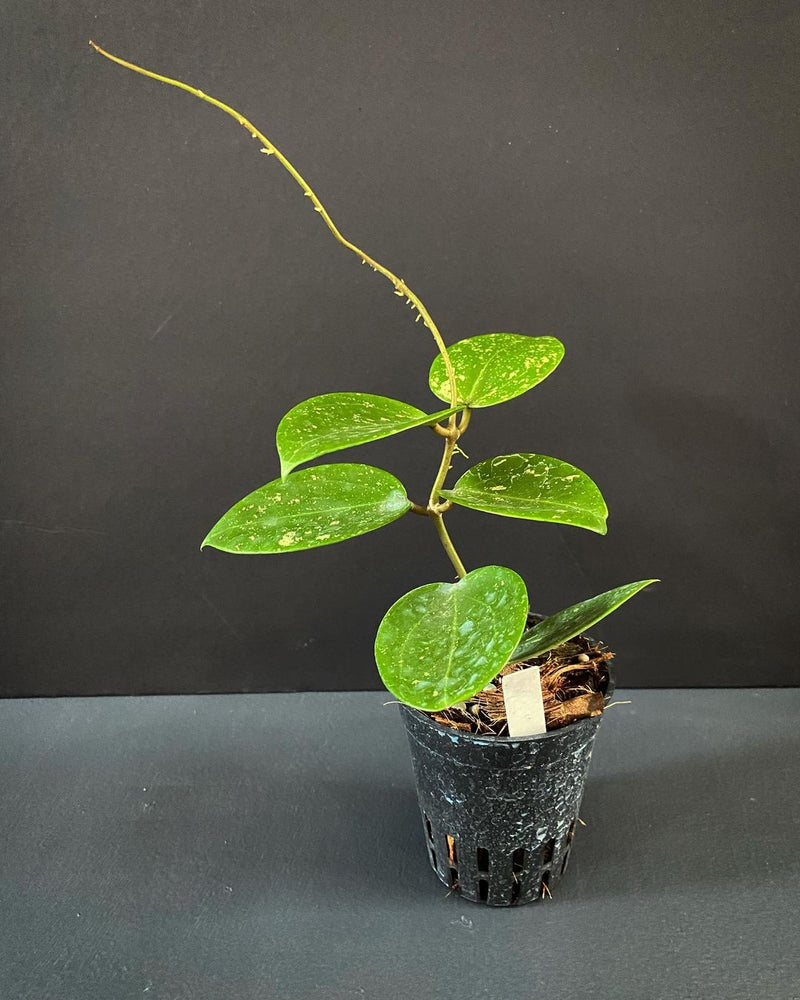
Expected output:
(452, 857)
(507, 879)
(571, 832)
(431, 851)
(482, 857)
(517, 869)
(452, 851)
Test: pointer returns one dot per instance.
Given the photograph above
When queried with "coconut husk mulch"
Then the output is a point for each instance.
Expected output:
(574, 677)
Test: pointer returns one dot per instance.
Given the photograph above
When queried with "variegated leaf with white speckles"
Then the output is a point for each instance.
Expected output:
(310, 508)
(337, 420)
(566, 624)
(495, 367)
(534, 487)
(443, 642)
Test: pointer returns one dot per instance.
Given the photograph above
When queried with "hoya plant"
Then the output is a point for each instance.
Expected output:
(444, 641)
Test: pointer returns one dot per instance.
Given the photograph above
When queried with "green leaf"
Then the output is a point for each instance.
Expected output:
(339, 420)
(495, 367)
(534, 487)
(313, 507)
(443, 642)
(572, 621)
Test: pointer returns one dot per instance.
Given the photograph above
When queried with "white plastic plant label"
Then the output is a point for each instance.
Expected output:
(522, 693)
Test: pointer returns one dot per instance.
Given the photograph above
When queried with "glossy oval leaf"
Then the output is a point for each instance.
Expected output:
(324, 424)
(495, 367)
(566, 624)
(310, 508)
(443, 642)
(534, 487)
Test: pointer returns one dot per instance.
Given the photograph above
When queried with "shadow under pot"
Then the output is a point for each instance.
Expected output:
(499, 812)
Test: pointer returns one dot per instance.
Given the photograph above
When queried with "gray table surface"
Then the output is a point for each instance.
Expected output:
(238, 847)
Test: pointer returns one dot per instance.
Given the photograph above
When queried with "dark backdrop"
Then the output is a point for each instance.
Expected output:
(621, 175)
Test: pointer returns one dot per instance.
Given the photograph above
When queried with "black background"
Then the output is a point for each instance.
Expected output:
(621, 175)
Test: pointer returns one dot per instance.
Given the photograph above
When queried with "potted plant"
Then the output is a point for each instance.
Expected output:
(501, 707)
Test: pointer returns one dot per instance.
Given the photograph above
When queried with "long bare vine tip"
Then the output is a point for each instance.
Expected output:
(400, 286)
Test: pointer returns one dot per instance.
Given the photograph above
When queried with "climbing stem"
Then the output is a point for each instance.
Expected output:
(453, 430)
(436, 509)
(268, 147)
(444, 538)
(444, 468)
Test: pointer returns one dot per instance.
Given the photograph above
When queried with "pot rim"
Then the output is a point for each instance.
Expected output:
(459, 734)
(495, 740)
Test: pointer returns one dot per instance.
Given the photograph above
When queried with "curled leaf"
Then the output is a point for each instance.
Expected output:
(566, 624)
(337, 420)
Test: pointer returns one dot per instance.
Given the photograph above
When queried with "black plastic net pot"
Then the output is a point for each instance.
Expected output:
(499, 813)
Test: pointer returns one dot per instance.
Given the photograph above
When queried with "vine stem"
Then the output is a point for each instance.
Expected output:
(444, 538)
(444, 467)
(400, 287)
